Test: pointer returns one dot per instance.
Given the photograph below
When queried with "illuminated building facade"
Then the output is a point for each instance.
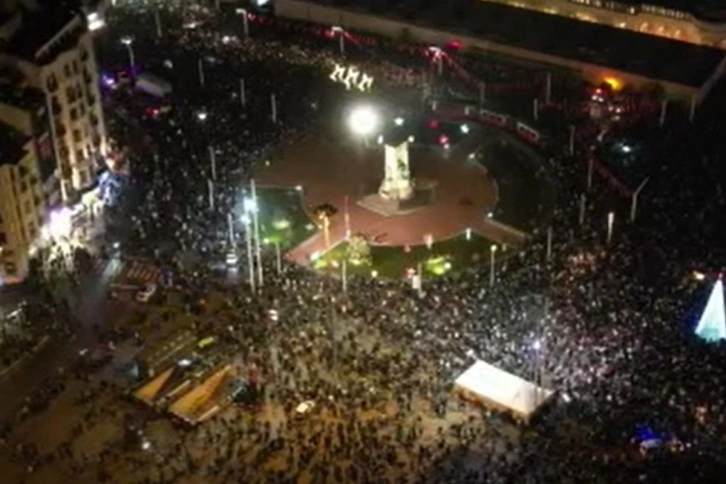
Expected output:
(664, 18)
(23, 206)
(49, 48)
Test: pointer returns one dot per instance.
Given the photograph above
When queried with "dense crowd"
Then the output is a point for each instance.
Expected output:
(608, 325)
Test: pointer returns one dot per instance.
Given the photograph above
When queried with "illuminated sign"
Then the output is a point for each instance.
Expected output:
(351, 77)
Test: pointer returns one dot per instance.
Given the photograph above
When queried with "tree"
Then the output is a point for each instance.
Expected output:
(359, 251)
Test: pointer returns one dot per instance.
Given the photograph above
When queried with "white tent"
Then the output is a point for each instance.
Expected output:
(493, 386)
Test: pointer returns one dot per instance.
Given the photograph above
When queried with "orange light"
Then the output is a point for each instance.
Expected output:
(613, 82)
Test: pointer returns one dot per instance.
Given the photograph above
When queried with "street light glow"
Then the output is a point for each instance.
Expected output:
(398, 121)
(363, 120)
(127, 40)
(250, 205)
(202, 115)
(60, 224)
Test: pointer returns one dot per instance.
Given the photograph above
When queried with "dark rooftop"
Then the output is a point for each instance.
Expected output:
(12, 145)
(609, 47)
(22, 97)
(40, 26)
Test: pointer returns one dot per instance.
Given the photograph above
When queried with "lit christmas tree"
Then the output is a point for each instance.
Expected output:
(712, 325)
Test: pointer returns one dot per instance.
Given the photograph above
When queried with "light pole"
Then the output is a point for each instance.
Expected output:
(611, 221)
(438, 57)
(590, 169)
(256, 221)
(157, 21)
(210, 186)
(242, 93)
(273, 102)
(230, 223)
(128, 42)
(549, 243)
(213, 163)
(548, 88)
(250, 260)
(341, 38)
(572, 139)
(344, 274)
(634, 200)
(200, 68)
(492, 255)
(245, 25)
(583, 202)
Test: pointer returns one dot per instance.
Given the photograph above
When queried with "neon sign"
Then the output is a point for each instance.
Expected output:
(352, 78)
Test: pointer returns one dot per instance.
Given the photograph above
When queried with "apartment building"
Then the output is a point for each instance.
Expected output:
(23, 209)
(702, 22)
(46, 46)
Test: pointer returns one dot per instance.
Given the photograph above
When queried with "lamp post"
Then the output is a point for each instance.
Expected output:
(611, 221)
(438, 58)
(210, 186)
(250, 260)
(341, 37)
(157, 21)
(344, 275)
(200, 68)
(583, 203)
(213, 163)
(590, 169)
(242, 93)
(572, 139)
(548, 88)
(128, 42)
(549, 243)
(492, 254)
(245, 25)
(273, 103)
(256, 221)
(634, 200)
(230, 223)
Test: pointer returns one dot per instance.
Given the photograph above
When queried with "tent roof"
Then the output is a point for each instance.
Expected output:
(502, 388)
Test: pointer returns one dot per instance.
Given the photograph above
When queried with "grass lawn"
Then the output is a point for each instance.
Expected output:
(456, 253)
(283, 218)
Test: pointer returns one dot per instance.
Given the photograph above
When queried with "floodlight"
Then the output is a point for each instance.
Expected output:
(363, 120)
(202, 115)
(250, 205)
(127, 40)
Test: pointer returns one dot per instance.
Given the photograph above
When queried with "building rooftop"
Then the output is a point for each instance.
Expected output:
(25, 98)
(12, 145)
(618, 49)
(708, 10)
(41, 25)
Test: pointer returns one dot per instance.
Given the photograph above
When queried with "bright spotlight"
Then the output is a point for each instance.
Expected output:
(201, 115)
(398, 121)
(363, 120)
(465, 129)
(60, 224)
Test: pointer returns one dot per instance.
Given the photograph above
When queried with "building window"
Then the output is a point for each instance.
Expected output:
(67, 70)
(27, 208)
(3, 238)
(84, 177)
(51, 82)
(23, 187)
(75, 67)
(77, 135)
(80, 156)
(10, 268)
(74, 114)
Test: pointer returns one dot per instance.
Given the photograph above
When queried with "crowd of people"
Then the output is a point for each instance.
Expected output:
(607, 324)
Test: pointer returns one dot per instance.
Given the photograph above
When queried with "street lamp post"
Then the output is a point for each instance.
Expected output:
(549, 243)
(492, 253)
(548, 88)
(242, 94)
(344, 275)
(590, 169)
(256, 221)
(341, 38)
(128, 42)
(611, 221)
(278, 257)
(634, 200)
(572, 139)
(583, 203)
(157, 21)
(245, 25)
(230, 223)
(250, 260)
(273, 102)
(200, 68)
(213, 163)
(210, 185)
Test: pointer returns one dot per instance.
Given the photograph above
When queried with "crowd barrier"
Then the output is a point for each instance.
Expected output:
(492, 118)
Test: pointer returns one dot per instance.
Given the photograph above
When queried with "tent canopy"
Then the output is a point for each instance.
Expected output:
(505, 390)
